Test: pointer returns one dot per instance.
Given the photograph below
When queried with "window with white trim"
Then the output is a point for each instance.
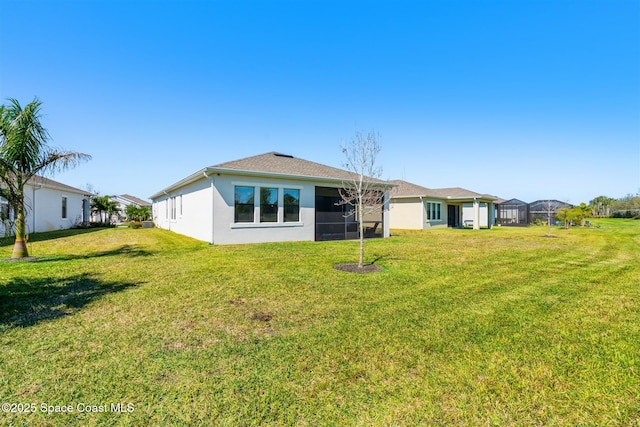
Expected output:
(244, 203)
(291, 205)
(172, 202)
(273, 205)
(64, 207)
(434, 211)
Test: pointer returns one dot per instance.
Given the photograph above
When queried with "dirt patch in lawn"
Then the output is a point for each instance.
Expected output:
(262, 316)
(354, 268)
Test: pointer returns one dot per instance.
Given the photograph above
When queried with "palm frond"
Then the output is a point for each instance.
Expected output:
(24, 137)
(57, 160)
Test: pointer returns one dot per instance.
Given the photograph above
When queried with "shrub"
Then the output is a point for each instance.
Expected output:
(100, 225)
(628, 213)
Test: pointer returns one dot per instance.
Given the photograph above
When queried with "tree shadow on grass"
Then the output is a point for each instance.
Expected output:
(50, 235)
(27, 302)
(125, 250)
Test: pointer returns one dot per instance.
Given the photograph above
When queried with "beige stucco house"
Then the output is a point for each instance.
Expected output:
(416, 208)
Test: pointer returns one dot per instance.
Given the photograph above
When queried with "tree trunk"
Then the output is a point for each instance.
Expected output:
(20, 245)
(361, 225)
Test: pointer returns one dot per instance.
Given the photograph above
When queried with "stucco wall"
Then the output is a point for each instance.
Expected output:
(227, 231)
(44, 209)
(411, 214)
(406, 214)
(193, 206)
(47, 210)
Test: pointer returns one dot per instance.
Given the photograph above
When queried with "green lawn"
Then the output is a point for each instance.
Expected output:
(461, 327)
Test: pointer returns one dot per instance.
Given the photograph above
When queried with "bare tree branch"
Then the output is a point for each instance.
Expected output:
(364, 192)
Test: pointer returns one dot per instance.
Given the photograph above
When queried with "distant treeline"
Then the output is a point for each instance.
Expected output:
(624, 207)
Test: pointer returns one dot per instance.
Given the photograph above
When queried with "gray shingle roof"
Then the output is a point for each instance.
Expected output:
(50, 183)
(407, 189)
(135, 200)
(283, 164)
(275, 165)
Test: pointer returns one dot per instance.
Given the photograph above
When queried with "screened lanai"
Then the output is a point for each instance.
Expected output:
(546, 210)
(512, 212)
(333, 222)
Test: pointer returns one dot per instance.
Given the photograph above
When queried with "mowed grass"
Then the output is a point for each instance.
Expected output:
(461, 327)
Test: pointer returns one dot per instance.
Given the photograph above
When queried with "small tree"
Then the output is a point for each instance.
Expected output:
(575, 214)
(363, 193)
(104, 207)
(113, 209)
(581, 213)
(24, 153)
(138, 213)
(551, 210)
(566, 215)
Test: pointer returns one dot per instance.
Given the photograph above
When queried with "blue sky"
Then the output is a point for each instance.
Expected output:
(527, 99)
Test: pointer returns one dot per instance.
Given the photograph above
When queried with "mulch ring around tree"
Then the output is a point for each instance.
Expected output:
(353, 268)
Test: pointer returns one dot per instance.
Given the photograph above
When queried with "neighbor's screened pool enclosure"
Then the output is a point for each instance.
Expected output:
(512, 212)
(515, 212)
(546, 210)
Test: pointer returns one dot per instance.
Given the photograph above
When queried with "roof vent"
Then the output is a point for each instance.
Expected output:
(288, 156)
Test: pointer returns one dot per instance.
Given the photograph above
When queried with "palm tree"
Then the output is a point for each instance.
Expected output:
(99, 205)
(23, 154)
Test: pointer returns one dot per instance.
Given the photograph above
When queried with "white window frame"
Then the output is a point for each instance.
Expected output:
(64, 207)
(256, 205)
(429, 207)
(173, 208)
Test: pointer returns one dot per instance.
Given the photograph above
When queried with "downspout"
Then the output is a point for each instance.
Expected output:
(166, 210)
(422, 211)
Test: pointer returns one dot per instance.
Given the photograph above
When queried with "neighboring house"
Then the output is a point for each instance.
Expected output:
(50, 205)
(415, 207)
(271, 197)
(122, 201)
(125, 200)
